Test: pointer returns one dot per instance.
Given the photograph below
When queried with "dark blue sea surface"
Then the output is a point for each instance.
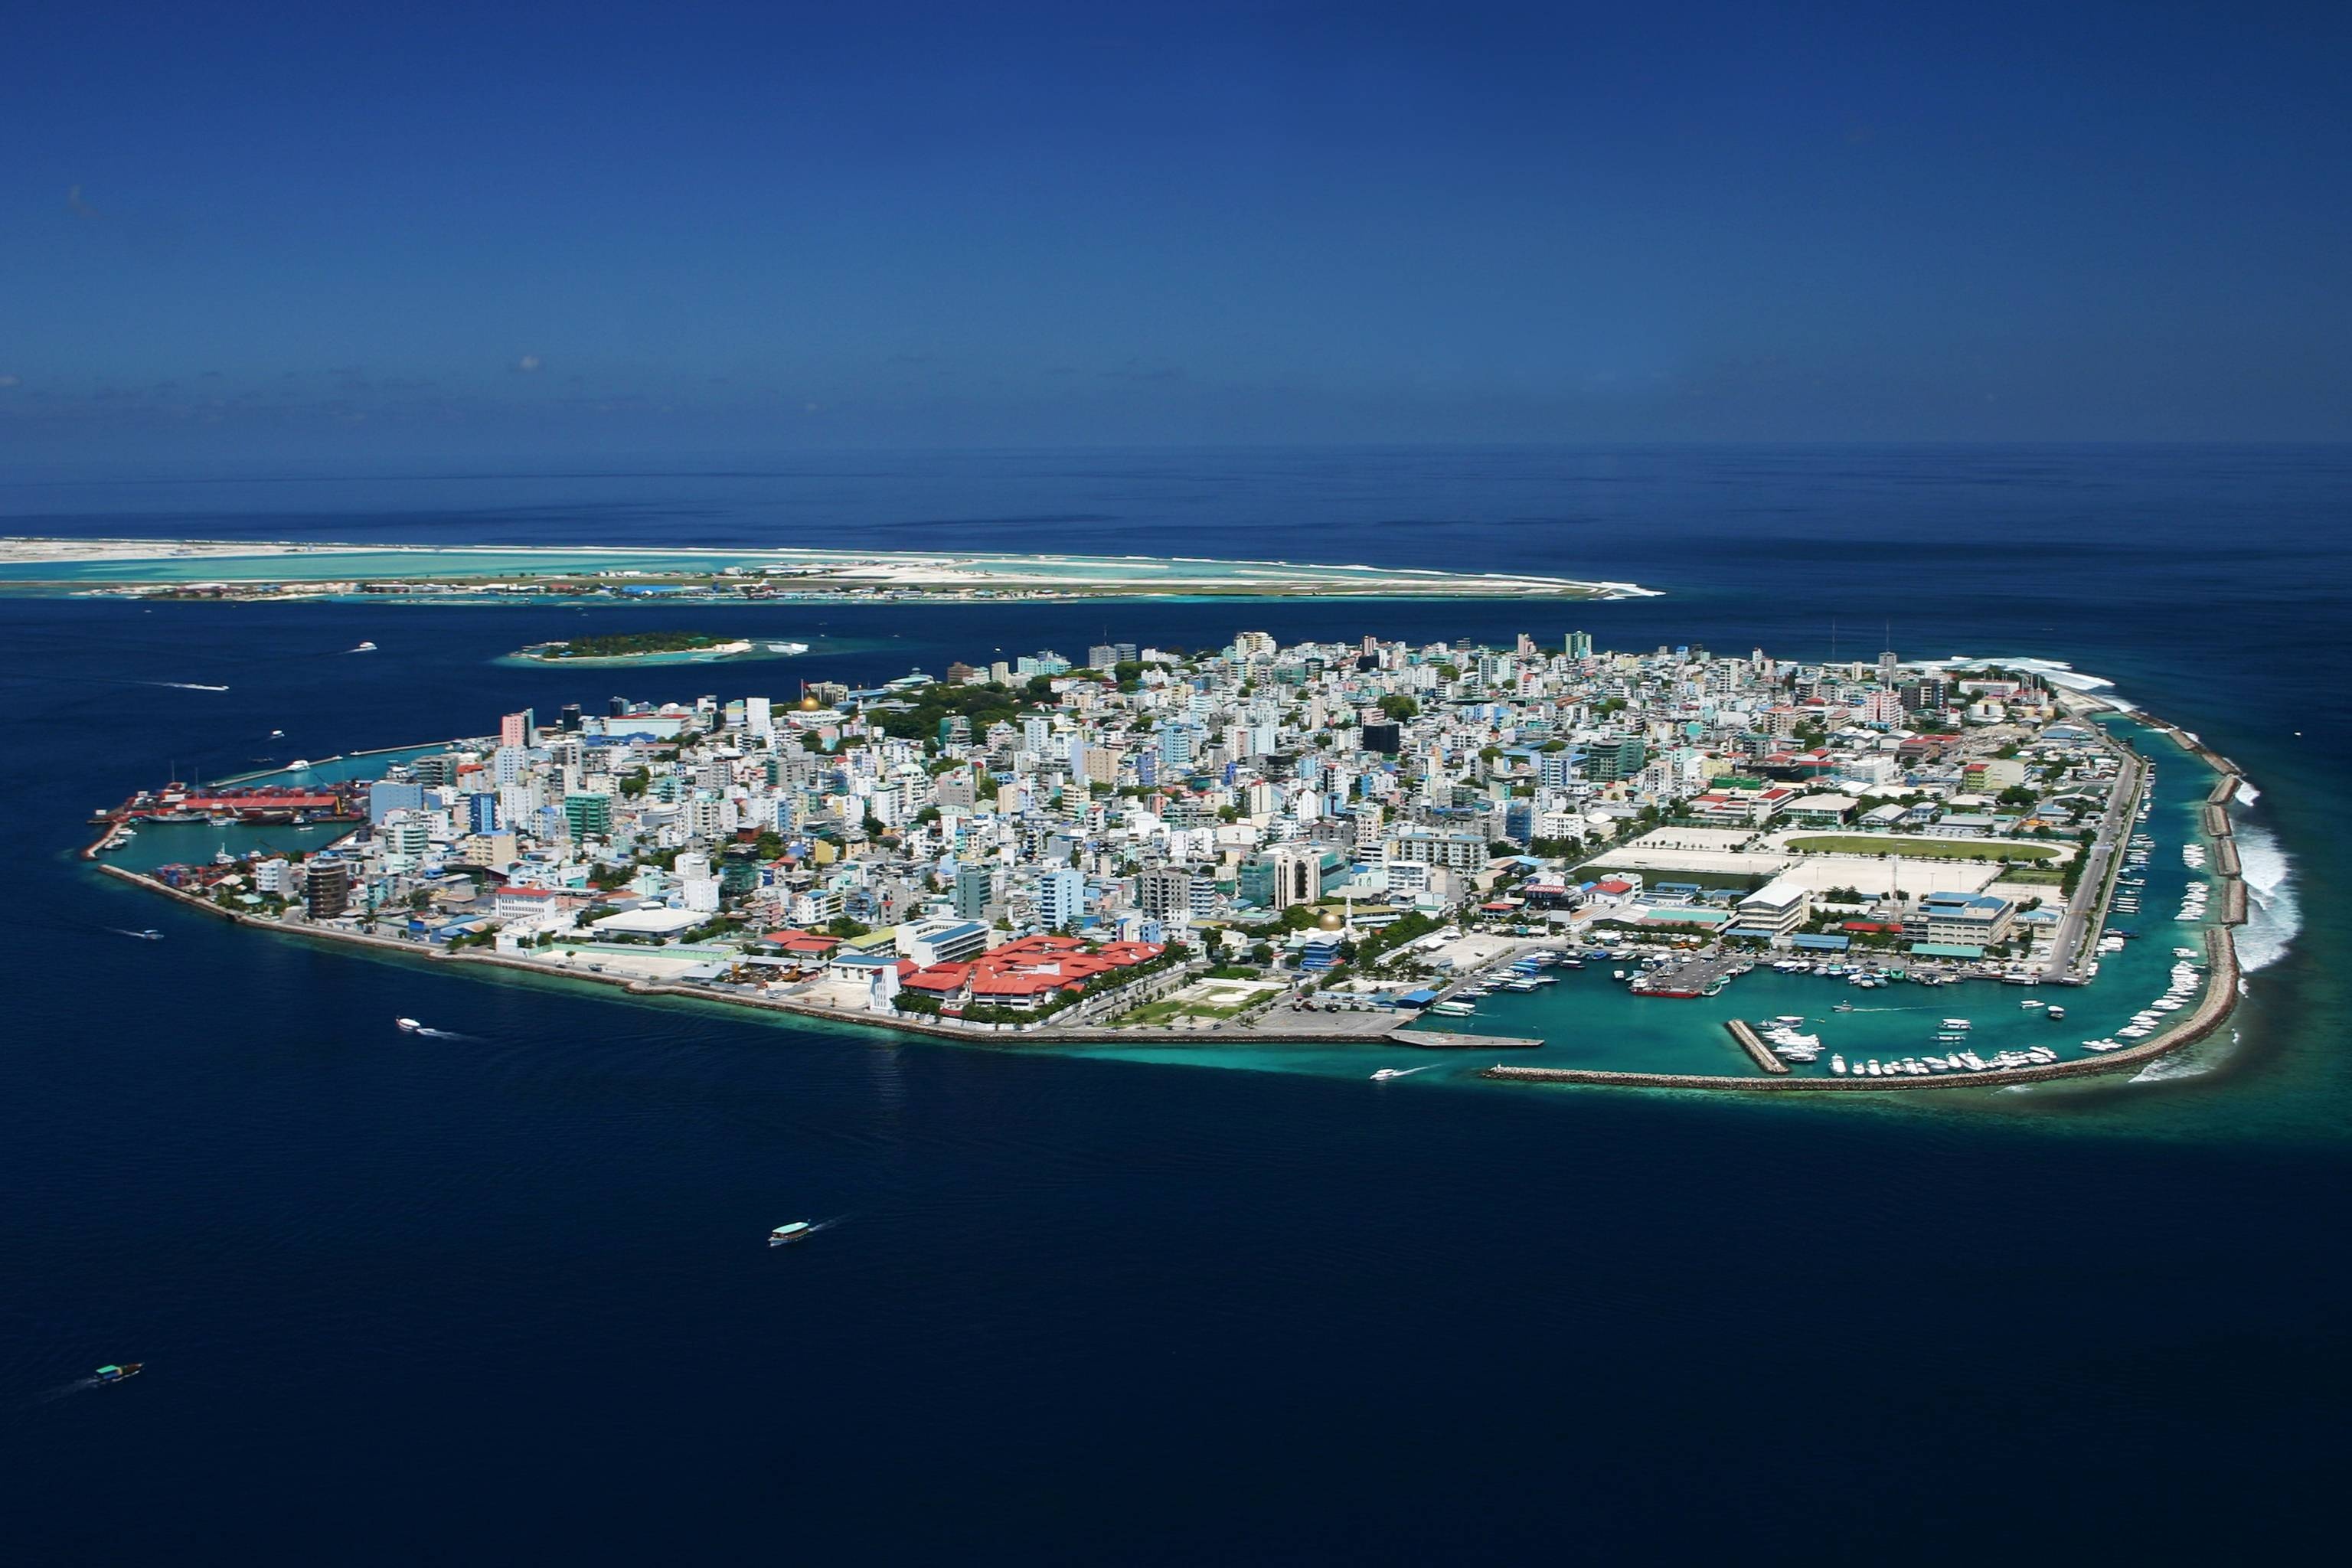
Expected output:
(504, 1295)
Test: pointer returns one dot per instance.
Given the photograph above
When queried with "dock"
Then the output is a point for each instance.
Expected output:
(1693, 977)
(1439, 1040)
(1755, 1048)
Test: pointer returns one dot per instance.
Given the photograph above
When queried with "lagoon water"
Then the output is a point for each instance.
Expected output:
(505, 1293)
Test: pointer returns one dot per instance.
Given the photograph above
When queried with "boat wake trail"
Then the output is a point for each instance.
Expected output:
(2273, 912)
(185, 685)
(427, 1032)
(50, 1397)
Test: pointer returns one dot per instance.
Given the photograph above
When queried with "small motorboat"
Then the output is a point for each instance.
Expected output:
(785, 1234)
(1387, 1073)
(407, 1025)
(277, 734)
(364, 648)
(112, 1374)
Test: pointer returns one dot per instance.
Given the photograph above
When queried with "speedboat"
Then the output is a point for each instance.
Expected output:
(364, 648)
(785, 1234)
(407, 1025)
(2055, 1012)
(1387, 1073)
(114, 1373)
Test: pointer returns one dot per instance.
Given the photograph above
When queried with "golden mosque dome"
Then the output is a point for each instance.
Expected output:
(808, 704)
(1331, 921)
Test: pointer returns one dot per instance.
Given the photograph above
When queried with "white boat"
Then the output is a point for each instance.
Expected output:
(2055, 1012)
(1837, 1066)
(364, 648)
(785, 1234)
(1387, 1073)
(2034, 1004)
(407, 1025)
(1955, 1024)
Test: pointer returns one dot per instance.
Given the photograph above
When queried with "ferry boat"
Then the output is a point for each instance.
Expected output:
(2030, 1002)
(407, 1025)
(114, 1373)
(785, 1234)
(1454, 1009)
(1955, 1024)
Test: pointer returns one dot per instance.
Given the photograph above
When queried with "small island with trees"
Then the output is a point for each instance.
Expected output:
(655, 647)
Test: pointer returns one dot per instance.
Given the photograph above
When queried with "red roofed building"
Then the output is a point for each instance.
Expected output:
(805, 945)
(1029, 971)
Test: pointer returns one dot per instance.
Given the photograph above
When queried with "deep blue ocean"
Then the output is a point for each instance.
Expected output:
(504, 1296)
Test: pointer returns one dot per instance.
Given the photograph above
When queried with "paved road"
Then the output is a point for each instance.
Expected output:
(2113, 830)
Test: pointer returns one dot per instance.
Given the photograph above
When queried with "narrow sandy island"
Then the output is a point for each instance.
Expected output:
(241, 568)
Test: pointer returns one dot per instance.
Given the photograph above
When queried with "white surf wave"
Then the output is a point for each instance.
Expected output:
(2189, 1061)
(2274, 911)
(2057, 671)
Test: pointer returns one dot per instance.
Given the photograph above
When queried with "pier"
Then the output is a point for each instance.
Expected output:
(1440, 1040)
(1695, 977)
(1756, 1049)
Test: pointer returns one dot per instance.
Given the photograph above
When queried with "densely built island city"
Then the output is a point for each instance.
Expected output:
(1671, 867)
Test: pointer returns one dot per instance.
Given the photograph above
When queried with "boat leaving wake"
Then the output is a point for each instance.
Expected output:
(2273, 912)
(51, 1395)
(185, 686)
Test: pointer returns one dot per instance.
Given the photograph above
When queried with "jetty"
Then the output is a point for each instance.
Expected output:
(1756, 1049)
(1442, 1040)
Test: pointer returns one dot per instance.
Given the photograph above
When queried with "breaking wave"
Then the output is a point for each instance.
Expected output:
(2273, 912)
(2189, 1061)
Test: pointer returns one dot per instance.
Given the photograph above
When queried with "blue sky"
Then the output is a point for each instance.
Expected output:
(417, 231)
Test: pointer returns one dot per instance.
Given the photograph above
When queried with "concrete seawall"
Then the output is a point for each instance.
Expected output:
(897, 1023)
